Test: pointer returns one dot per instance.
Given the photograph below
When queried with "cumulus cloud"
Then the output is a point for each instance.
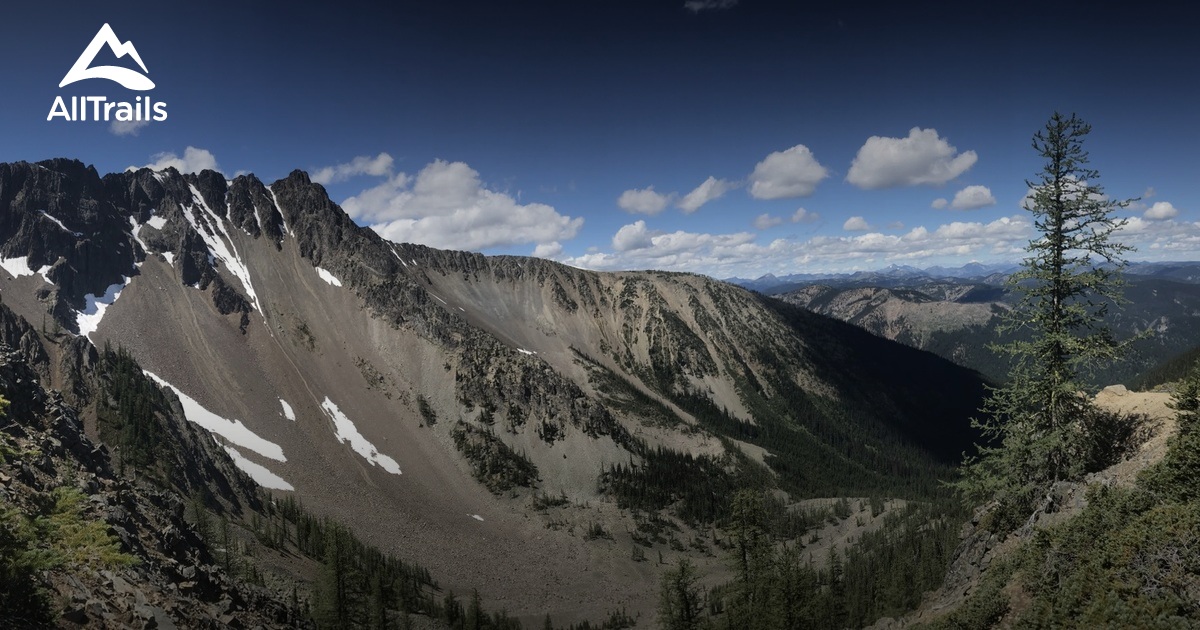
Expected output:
(377, 166)
(785, 174)
(552, 250)
(921, 158)
(674, 251)
(644, 201)
(696, 6)
(739, 254)
(712, 188)
(804, 216)
(631, 237)
(764, 221)
(1164, 239)
(972, 198)
(725, 255)
(127, 127)
(939, 204)
(856, 224)
(193, 161)
(446, 205)
(1161, 211)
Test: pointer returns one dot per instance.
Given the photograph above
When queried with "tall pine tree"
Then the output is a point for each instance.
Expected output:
(1037, 425)
(681, 604)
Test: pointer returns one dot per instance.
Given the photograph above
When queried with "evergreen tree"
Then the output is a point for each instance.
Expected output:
(836, 601)
(753, 556)
(333, 585)
(1175, 477)
(680, 603)
(1037, 425)
(476, 619)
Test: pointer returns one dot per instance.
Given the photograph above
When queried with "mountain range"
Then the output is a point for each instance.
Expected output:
(513, 425)
(979, 273)
(959, 319)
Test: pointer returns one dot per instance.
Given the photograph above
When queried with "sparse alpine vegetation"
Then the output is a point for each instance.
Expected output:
(494, 463)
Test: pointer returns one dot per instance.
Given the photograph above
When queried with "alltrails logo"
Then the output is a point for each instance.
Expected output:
(142, 109)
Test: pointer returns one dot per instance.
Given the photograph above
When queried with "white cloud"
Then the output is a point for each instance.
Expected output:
(696, 6)
(377, 166)
(725, 255)
(127, 128)
(921, 158)
(972, 198)
(765, 221)
(939, 204)
(785, 174)
(193, 161)
(1165, 239)
(804, 216)
(1161, 211)
(739, 254)
(677, 250)
(446, 205)
(631, 237)
(644, 201)
(551, 250)
(856, 224)
(712, 188)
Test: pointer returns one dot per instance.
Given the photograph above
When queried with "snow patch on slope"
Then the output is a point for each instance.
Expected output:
(259, 473)
(275, 200)
(328, 277)
(226, 253)
(232, 430)
(59, 223)
(288, 412)
(94, 307)
(134, 230)
(156, 222)
(19, 266)
(347, 432)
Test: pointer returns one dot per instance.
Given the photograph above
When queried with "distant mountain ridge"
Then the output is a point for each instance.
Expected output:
(907, 275)
(958, 319)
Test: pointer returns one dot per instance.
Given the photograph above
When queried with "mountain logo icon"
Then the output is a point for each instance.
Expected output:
(130, 79)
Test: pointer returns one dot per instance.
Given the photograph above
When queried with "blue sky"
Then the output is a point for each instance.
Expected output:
(621, 134)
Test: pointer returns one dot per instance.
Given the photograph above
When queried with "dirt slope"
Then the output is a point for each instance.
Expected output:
(979, 548)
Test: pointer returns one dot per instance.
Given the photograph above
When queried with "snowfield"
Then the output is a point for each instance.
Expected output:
(94, 307)
(19, 266)
(347, 432)
(288, 412)
(232, 430)
(328, 277)
(259, 473)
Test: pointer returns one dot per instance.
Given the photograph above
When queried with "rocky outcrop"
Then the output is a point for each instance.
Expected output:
(175, 582)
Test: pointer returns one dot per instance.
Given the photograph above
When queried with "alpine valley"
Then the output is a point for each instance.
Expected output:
(279, 416)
